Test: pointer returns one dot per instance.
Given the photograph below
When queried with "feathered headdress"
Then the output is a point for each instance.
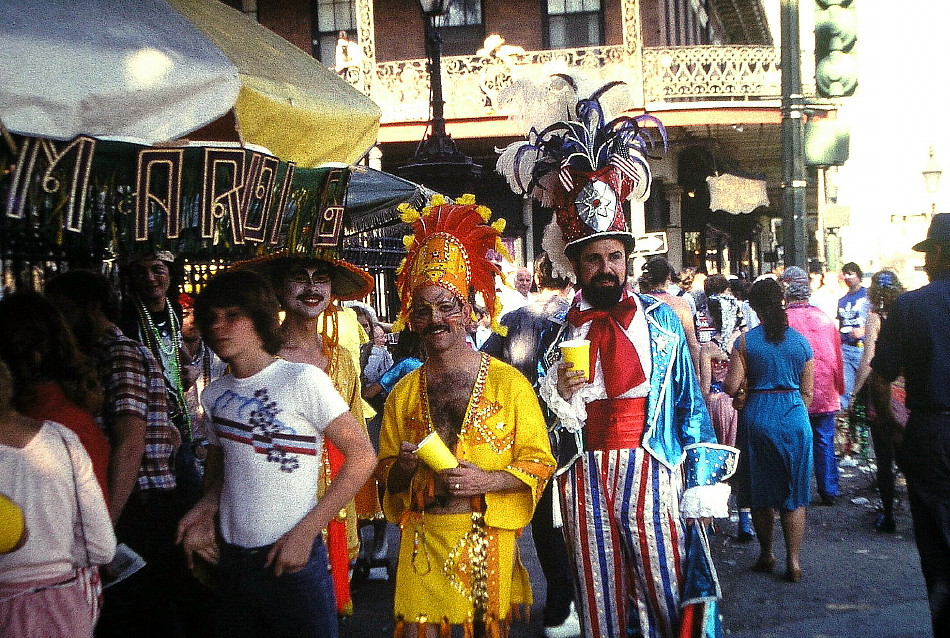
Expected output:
(448, 246)
(584, 168)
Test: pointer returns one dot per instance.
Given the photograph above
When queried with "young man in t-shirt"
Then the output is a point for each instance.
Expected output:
(270, 417)
(853, 310)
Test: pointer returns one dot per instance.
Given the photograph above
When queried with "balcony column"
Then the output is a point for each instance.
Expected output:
(674, 229)
(633, 48)
(366, 36)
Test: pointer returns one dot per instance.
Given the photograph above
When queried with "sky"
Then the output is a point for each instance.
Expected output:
(899, 111)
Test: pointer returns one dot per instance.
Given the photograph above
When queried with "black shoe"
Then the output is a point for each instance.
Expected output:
(745, 537)
(885, 524)
(825, 500)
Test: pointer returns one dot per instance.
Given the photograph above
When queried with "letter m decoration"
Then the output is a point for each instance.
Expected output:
(40, 160)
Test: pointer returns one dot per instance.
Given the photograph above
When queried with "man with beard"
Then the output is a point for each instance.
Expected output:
(915, 341)
(306, 287)
(638, 422)
(458, 558)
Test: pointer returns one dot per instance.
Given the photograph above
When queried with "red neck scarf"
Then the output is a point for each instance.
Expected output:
(621, 364)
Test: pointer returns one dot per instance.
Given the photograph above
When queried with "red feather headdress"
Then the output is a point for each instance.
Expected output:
(449, 246)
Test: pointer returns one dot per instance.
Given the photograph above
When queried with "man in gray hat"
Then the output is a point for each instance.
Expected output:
(822, 335)
(915, 341)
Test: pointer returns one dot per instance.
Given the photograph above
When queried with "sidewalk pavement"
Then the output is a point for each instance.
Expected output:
(857, 583)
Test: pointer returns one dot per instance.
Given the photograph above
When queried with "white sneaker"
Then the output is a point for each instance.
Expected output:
(847, 462)
(570, 628)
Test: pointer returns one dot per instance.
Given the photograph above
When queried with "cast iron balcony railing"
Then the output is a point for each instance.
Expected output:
(671, 74)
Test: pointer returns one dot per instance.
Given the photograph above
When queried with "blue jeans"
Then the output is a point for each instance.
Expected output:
(851, 356)
(823, 449)
(253, 602)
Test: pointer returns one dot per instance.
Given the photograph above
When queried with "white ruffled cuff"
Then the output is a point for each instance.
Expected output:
(705, 501)
(571, 415)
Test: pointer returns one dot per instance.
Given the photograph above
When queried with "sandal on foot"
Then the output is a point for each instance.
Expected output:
(793, 575)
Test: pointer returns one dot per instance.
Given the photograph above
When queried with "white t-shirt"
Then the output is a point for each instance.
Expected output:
(270, 430)
(51, 479)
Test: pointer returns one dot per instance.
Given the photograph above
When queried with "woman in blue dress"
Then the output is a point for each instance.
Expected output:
(774, 433)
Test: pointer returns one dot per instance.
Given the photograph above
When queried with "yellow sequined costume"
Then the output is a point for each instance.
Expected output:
(456, 567)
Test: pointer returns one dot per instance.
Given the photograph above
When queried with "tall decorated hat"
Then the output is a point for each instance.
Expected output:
(449, 246)
(584, 168)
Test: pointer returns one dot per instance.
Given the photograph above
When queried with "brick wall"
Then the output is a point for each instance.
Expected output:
(289, 19)
(399, 30)
(518, 21)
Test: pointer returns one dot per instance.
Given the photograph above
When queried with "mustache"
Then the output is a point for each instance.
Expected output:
(431, 329)
(605, 277)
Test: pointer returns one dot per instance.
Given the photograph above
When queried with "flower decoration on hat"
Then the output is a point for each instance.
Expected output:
(449, 247)
(584, 168)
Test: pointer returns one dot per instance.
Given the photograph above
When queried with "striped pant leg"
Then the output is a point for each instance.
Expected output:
(594, 548)
(646, 509)
(625, 541)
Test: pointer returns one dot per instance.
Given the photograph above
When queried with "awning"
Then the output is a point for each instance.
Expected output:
(152, 71)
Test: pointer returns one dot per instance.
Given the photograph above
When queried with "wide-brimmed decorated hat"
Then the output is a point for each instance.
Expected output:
(347, 282)
(584, 168)
(449, 246)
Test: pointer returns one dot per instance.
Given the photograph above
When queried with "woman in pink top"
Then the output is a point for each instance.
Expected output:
(822, 335)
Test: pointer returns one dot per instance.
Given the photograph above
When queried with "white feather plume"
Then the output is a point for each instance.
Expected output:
(553, 244)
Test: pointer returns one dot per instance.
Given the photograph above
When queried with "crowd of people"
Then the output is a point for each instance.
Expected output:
(194, 465)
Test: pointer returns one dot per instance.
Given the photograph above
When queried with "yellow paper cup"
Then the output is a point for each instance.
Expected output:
(577, 351)
(435, 453)
(12, 525)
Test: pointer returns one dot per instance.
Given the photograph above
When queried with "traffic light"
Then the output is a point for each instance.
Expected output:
(836, 30)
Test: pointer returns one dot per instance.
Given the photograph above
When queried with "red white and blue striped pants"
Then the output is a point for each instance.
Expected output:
(626, 539)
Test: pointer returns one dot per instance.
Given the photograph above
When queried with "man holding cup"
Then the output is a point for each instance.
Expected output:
(637, 418)
(458, 559)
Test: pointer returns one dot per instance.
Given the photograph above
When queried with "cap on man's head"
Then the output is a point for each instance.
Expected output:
(937, 235)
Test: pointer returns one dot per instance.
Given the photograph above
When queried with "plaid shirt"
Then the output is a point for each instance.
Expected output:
(134, 385)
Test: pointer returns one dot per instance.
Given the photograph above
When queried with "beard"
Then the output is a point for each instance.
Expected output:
(603, 297)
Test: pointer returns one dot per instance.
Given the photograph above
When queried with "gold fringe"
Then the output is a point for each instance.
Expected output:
(445, 630)
(468, 629)
(399, 629)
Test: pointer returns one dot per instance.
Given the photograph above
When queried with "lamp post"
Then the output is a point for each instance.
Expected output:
(438, 163)
(932, 173)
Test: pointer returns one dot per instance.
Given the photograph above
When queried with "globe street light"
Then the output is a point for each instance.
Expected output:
(438, 163)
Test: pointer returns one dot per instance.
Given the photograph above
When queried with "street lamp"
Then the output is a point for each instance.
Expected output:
(438, 163)
(932, 173)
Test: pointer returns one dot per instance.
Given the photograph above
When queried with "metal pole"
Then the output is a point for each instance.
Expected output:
(793, 152)
(434, 53)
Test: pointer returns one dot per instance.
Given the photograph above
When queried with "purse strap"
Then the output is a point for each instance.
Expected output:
(72, 467)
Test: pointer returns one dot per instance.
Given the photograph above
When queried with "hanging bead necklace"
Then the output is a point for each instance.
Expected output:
(172, 352)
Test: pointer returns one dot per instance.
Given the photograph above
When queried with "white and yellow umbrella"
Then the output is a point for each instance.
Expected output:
(152, 71)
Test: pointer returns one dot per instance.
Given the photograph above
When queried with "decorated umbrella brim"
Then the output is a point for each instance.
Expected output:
(347, 281)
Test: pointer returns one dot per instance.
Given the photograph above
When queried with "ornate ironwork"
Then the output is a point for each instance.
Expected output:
(472, 83)
(675, 74)
(670, 74)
